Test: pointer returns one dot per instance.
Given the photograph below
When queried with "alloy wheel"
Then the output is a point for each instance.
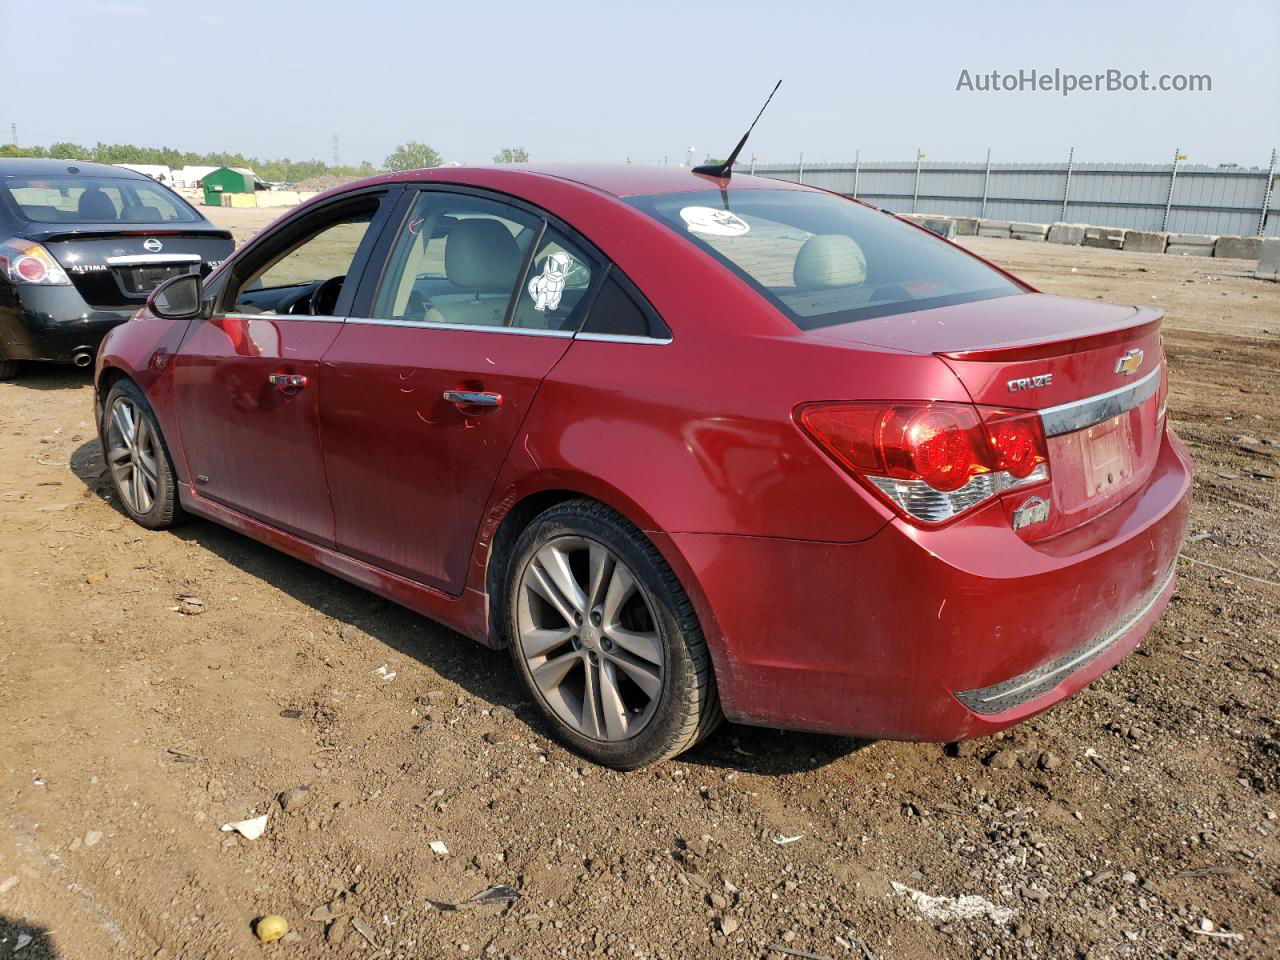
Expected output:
(133, 454)
(589, 638)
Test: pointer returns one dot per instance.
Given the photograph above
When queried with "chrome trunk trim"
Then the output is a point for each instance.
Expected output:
(1080, 414)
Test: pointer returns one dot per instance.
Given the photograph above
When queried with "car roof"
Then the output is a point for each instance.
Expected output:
(43, 167)
(619, 180)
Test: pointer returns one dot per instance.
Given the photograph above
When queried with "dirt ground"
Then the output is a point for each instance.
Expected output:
(1137, 820)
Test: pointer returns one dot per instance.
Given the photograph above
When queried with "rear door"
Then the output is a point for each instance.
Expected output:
(425, 389)
(247, 380)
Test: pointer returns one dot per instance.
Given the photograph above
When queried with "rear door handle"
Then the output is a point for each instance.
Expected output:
(295, 381)
(473, 398)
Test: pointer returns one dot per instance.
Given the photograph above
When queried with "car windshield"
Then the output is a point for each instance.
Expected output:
(822, 259)
(72, 199)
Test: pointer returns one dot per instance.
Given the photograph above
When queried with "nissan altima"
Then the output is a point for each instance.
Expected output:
(82, 245)
(690, 446)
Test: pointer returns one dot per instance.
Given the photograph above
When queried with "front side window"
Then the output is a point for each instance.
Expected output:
(305, 276)
(74, 199)
(457, 260)
(822, 259)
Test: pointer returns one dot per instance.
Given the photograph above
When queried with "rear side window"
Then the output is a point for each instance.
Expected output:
(458, 260)
(615, 312)
(822, 259)
(73, 199)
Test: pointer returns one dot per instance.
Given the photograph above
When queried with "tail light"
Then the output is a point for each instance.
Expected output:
(22, 261)
(931, 461)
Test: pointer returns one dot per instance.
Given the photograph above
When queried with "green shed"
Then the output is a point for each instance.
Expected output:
(227, 180)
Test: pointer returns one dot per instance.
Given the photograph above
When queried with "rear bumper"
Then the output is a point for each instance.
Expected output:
(53, 323)
(935, 634)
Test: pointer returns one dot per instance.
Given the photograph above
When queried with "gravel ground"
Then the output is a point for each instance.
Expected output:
(158, 685)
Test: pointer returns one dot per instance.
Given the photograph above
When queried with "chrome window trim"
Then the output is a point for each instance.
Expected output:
(137, 259)
(1079, 414)
(465, 327)
(623, 338)
(282, 316)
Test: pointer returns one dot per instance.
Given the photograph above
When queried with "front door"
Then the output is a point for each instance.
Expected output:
(247, 379)
(424, 396)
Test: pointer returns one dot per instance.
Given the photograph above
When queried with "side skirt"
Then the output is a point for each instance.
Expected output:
(465, 614)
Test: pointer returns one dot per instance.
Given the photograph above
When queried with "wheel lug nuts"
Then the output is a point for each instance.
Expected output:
(596, 618)
(595, 658)
(577, 618)
(606, 643)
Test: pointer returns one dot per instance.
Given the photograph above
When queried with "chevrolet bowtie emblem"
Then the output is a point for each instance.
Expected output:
(1129, 363)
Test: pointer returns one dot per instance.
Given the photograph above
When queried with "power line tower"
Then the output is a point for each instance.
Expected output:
(335, 150)
(13, 133)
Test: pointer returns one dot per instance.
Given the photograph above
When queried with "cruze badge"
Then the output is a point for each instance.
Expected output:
(1030, 383)
(1033, 510)
(1129, 363)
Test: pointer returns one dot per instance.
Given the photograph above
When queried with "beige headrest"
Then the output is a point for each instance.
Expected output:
(830, 260)
(482, 256)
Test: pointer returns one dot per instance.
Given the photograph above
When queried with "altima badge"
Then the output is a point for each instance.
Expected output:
(1030, 383)
(1129, 363)
(1033, 510)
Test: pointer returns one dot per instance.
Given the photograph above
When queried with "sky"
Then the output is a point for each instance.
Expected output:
(643, 82)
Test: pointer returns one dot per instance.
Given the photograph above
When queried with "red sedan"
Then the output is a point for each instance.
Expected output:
(691, 447)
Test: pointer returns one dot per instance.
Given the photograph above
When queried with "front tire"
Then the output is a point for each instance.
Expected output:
(8, 369)
(138, 459)
(606, 640)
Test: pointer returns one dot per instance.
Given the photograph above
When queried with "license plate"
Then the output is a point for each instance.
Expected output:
(1108, 456)
(146, 279)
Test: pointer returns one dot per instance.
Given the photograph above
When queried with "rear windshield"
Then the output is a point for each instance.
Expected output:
(94, 200)
(822, 259)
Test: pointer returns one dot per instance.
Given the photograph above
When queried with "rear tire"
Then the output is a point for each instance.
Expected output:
(606, 640)
(8, 369)
(138, 459)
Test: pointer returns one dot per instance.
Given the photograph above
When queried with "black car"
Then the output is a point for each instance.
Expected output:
(81, 247)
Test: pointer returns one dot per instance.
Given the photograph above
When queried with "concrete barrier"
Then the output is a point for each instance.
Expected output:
(1268, 260)
(1071, 234)
(994, 228)
(966, 226)
(277, 198)
(1238, 248)
(1145, 241)
(942, 226)
(1191, 244)
(1106, 238)
(1029, 231)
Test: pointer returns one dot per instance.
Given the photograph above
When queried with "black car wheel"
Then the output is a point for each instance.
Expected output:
(8, 369)
(606, 640)
(138, 460)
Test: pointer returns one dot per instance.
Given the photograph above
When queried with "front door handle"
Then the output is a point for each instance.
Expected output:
(294, 381)
(473, 398)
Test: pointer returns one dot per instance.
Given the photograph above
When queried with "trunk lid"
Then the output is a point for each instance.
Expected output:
(1093, 370)
(117, 268)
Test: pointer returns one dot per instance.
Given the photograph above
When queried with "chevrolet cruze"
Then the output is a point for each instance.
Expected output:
(690, 446)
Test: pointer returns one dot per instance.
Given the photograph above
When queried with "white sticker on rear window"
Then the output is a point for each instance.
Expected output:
(713, 222)
(548, 287)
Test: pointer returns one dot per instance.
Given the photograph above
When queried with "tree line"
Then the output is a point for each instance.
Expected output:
(407, 156)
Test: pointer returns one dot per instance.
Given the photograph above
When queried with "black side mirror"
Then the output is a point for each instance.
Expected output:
(178, 298)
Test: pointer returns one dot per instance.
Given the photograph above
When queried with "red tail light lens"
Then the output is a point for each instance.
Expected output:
(1018, 443)
(937, 444)
(25, 262)
(933, 461)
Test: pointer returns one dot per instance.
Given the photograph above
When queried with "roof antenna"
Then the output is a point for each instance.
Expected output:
(724, 170)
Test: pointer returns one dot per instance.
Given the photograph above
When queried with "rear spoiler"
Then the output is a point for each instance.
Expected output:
(91, 231)
(1145, 321)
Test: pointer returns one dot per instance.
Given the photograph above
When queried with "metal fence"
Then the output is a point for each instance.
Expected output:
(1177, 197)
